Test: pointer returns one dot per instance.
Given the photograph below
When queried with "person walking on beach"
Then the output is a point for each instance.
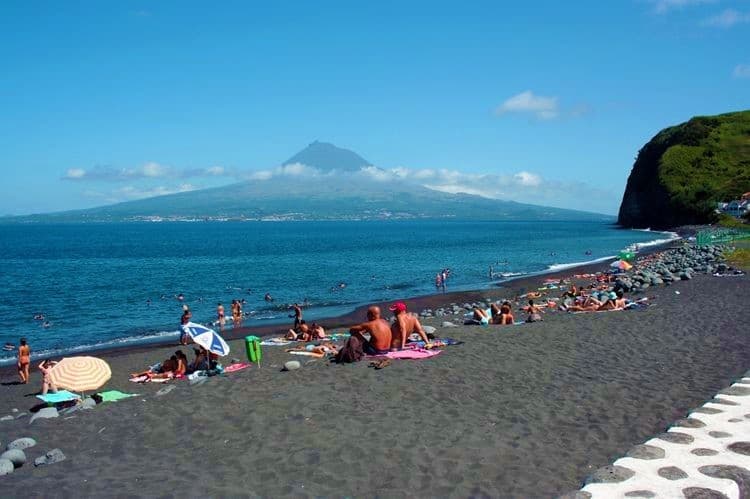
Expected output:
(24, 358)
(220, 315)
(379, 330)
(297, 314)
(405, 325)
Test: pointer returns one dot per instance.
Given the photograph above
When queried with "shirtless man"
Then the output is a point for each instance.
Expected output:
(380, 333)
(297, 314)
(404, 325)
(220, 315)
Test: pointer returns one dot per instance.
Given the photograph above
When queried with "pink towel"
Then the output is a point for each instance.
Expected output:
(417, 353)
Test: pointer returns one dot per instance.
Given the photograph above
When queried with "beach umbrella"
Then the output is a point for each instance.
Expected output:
(80, 374)
(207, 338)
(621, 264)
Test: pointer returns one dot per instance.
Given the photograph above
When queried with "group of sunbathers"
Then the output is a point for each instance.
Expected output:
(592, 300)
(303, 332)
(178, 366)
(501, 315)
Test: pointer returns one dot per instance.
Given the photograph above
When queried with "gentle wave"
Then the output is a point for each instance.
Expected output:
(116, 343)
(562, 266)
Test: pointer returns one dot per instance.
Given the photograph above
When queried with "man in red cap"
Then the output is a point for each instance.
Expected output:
(405, 325)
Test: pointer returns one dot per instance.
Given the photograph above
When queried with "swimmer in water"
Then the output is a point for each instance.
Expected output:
(268, 297)
(180, 297)
(46, 324)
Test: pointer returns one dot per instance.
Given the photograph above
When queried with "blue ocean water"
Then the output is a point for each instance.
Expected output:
(93, 282)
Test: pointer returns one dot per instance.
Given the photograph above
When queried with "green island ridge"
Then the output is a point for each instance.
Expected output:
(682, 173)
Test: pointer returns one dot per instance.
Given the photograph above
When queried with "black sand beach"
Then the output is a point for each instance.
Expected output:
(521, 411)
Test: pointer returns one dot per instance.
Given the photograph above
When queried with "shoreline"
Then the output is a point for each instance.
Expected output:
(415, 303)
(514, 411)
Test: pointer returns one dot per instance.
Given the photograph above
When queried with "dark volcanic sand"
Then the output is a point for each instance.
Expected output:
(523, 411)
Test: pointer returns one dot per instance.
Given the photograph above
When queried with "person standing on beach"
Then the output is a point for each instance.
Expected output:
(236, 313)
(405, 325)
(379, 330)
(24, 359)
(297, 314)
(220, 315)
(186, 316)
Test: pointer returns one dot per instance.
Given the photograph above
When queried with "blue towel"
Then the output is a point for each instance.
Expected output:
(60, 396)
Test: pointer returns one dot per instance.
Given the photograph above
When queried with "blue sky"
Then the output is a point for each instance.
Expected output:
(543, 102)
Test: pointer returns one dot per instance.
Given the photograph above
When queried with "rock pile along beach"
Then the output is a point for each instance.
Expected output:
(515, 411)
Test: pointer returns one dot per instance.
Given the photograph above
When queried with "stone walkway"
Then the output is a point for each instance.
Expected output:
(706, 455)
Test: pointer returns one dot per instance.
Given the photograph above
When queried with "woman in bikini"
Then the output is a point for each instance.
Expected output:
(24, 359)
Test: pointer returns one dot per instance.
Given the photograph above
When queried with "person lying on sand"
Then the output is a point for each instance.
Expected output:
(480, 315)
(165, 371)
(404, 326)
(379, 330)
(322, 349)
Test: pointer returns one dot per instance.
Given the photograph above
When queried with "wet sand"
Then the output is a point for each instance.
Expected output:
(521, 411)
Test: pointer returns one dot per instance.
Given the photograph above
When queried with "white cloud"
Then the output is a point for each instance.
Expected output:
(528, 179)
(664, 6)
(75, 173)
(544, 108)
(216, 171)
(727, 19)
(741, 71)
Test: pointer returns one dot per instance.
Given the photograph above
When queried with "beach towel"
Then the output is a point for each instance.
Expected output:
(437, 342)
(279, 342)
(115, 395)
(60, 396)
(409, 354)
(306, 353)
(236, 367)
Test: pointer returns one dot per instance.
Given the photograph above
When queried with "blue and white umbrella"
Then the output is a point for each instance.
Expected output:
(207, 338)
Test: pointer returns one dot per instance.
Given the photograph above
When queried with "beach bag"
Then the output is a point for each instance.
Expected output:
(350, 352)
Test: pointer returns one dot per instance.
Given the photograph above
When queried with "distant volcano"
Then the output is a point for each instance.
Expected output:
(326, 157)
(357, 191)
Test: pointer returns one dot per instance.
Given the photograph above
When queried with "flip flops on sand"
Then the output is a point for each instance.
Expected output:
(380, 364)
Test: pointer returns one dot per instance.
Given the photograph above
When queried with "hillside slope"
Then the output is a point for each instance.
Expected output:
(684, 170)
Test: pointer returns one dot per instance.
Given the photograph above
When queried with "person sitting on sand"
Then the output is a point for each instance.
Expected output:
(200, 363)
(47, 383)
(317, 332)
(534, 312)
(405, 325)
(379, 330)
(299, 333)
(505, 316)
(615, 301)
(182, 363)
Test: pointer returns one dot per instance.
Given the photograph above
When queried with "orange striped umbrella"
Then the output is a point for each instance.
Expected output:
(80, 374)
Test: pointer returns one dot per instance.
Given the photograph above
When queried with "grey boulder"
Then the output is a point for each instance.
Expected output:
(21, 443)
(292, 365)
(6, 467)
(52, 457)
(15, 456)
(45, 413)
(429, 329)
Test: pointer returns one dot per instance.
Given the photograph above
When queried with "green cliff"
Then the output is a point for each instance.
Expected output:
(684, 170)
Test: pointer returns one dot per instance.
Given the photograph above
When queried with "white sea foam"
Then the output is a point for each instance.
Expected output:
(115, 343)
(556, 267)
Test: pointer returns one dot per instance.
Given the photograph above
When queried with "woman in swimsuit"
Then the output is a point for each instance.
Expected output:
(47, 384)
(24, 359)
